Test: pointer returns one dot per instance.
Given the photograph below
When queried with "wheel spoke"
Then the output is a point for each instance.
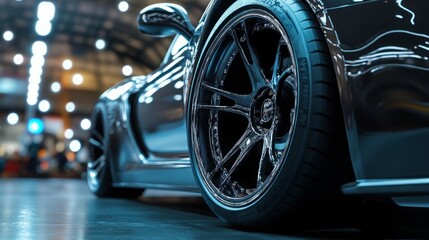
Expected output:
(237, 109)
(266, 149)
(286, 74)
(99, 167)
(244, 151)
(275, 78)
(240, 100)
(96, 162)
(249, 55)
(96, 143)
(244, 144)
(97, 135)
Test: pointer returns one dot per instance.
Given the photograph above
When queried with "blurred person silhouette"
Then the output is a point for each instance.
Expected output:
(2, 164)
(61, 157)
(33, 151)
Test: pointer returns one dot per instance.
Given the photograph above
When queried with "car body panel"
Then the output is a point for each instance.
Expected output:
(380, 51)
(382, 73)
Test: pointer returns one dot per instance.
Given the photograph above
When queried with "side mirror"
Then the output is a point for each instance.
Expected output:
(165, 19)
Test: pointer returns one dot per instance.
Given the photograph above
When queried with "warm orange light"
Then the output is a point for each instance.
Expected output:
(71, 156)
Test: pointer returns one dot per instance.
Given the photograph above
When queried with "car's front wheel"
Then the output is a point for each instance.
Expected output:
(265, 124)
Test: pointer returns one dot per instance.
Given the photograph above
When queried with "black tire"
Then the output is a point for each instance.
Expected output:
(99, 178)
(291, 159)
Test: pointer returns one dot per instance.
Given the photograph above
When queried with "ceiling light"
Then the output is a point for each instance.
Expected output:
(37, 61)
(35, 126)
(39, 48)
(18, 59)
(12, 118)
(77, 79)
(68, 133)
(75, 146)
(44, 106)
(43, 27)
(127, 70)
(67, 64)
(8, 36)
(70, 107)
(55, 87)
(85, 124)
(36, 71)
(100, 44)
(46, 11)
(33, 79)
(123, 6)
(32, 100)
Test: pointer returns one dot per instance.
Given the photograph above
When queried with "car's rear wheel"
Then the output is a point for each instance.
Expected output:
(99, 177)
(265, 124)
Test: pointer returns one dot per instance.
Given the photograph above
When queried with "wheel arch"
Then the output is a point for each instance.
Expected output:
(102, 108)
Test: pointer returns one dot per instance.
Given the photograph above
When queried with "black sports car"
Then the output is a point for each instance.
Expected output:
(273, 108)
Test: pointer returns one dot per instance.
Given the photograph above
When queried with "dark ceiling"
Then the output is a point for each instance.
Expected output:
(75, 28)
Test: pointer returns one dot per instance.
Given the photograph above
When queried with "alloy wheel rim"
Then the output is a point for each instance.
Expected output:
(97, 159)
(264, 104)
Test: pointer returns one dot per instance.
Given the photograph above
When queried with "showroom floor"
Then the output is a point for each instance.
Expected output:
(64, 209)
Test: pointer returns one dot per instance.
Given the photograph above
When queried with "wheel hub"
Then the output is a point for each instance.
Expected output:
(267, 110)
(264, 110)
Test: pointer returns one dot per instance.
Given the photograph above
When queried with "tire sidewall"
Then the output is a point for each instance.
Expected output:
(105, 176)
(264, 204)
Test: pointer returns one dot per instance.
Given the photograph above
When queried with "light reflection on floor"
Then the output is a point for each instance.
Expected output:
(64, 209)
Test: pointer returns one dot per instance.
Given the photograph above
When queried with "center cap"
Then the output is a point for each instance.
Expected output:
(267, 110)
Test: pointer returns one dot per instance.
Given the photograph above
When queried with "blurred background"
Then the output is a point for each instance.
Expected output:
(56, 59)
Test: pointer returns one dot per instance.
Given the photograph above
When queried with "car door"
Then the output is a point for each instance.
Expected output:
(160, 108)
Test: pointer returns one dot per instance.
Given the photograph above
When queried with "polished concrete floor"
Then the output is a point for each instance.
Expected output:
(64, 209)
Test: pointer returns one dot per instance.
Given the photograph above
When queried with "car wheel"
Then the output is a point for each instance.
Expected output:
(264, 119)
(99, 177)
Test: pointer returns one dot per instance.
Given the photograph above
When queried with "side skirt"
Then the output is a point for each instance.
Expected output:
(388, 187)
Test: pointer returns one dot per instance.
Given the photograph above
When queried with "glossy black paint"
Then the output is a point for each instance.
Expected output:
(385, 70)
(165, 19)
(380, 51)
(144, 108)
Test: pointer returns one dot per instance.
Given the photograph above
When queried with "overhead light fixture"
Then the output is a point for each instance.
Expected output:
(85, 124)
(35, 126)
(8, 36)
(67, 64)
(100, 44)
(68, 133)
(46, 11)
(18, 59)
(34, 80)
(12, 118)
(75, 146)
(55, 87)
(123, 6)
(77, 79)
(36, 71)
(39, 48)
(127, 70)
(70, 107)
(37, 60)
(44, 105)
(32, 98)
(43, 27)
